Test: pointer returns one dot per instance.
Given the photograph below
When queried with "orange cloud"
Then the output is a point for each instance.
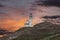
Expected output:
(12, 25)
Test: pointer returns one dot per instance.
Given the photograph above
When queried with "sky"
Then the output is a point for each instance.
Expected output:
(14, 13)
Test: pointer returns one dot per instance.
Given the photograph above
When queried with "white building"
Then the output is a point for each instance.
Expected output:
(29, 22)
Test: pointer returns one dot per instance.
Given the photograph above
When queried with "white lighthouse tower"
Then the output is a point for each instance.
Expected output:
(29, 22)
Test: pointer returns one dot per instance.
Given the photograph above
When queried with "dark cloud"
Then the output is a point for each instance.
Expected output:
(2, 32)
(51, 17)
(2, 5)
(3, 14)
(2, 0)
(49, 2)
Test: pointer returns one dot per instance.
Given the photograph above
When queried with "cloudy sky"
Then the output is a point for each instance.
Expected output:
(14, 13)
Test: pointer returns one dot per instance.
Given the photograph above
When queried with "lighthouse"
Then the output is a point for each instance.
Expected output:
(29, 21)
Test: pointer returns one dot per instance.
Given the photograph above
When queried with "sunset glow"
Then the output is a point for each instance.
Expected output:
(12, 25)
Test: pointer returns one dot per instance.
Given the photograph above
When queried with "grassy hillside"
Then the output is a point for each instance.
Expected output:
(41, 31)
